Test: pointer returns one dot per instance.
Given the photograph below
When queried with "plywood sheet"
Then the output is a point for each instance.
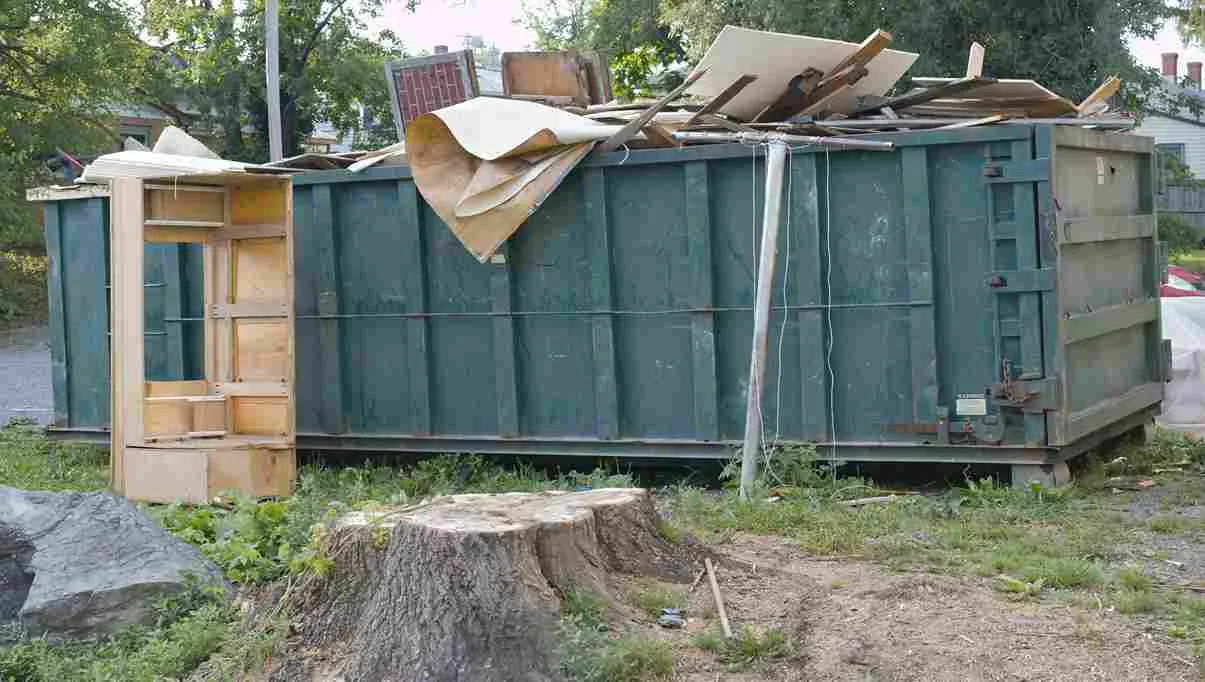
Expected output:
(157, 389)
(166, 475)
(166, 417)
(261, 350)
(776, 57)
(545, 73)
(165, 204)
(261, 416)
(258, 204)
(258, 472)
(261, 269)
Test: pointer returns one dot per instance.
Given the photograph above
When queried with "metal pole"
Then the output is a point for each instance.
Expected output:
(775, 162)
(835, 142)
(272, 67)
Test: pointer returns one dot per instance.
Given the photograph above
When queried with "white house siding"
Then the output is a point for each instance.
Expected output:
(1173, 131)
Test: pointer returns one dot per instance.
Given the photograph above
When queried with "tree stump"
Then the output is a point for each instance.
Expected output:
(468, 587)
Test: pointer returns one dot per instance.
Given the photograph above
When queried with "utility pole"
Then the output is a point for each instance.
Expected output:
(272, 67)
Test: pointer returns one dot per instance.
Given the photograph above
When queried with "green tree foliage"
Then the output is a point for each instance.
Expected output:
(329, 67)
(62, 63)
(1068, 45)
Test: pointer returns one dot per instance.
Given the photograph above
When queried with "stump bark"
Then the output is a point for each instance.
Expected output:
(468, 587)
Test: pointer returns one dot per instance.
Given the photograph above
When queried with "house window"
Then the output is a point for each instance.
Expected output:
(1173, 150)
(140, 133)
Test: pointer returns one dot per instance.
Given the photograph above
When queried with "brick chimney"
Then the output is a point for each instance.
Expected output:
(1171, 65)
(1194, 74)
(443, 49)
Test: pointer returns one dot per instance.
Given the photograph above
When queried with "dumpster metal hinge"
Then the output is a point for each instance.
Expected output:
(1028, 395)
(1023, 170)
(1018, 281)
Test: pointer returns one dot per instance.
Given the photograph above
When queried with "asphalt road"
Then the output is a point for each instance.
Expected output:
(25, 374)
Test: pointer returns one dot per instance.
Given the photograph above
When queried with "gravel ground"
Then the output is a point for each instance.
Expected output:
(25, 374)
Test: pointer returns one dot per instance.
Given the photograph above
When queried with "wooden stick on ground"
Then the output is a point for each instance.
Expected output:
(719, 600)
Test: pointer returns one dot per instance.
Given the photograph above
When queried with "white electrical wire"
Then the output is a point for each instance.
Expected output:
(828, 308)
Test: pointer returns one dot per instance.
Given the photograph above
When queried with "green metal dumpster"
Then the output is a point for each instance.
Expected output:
(978, 295)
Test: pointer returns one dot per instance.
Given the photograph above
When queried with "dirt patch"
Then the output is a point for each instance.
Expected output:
(859, 621)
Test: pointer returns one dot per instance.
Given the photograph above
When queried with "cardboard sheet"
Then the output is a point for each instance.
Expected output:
(485, 165)
(776, 57)
(1015, 96)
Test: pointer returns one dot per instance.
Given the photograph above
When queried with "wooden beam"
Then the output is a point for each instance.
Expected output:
(975, 61)
(721, 99)
(833, 84)
(866, 51)
(793, 99)
(634, 126)
(921, 96)
(1098, 100)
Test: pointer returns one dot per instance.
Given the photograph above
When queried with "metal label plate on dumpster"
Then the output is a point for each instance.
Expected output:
(970, 405)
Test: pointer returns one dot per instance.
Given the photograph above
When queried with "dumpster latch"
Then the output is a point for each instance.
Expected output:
(1022, 170)
(1032, 395)
(1017, 281)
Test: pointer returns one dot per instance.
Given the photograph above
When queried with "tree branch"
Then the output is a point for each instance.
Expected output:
(313, 39)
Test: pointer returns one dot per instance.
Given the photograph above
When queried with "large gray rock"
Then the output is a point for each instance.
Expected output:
(83, 565)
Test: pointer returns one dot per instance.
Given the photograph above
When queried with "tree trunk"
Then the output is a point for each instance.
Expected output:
(467, 587)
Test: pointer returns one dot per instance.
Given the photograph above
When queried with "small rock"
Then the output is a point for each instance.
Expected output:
(671, 618)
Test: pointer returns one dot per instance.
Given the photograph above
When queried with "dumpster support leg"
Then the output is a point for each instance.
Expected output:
(775, 162)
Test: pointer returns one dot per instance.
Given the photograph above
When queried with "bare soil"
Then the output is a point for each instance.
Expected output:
(852, 620)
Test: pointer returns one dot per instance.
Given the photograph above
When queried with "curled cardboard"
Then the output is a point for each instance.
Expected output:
(487, 164)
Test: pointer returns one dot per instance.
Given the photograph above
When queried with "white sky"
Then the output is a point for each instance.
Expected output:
(444, 22)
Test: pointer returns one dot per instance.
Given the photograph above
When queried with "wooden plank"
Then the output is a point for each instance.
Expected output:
(660, 136)
(261, 350)
(702, 324)
(632, 127)
(714, 104)
(126, 206)
(1098, 101)
(253, 388)
(922, 325)
(506, 371)
(157, 234)
(546, 73)
(260, 270)
(868, 49)
(58, 314)
(209, 415)
(257, 205)
(927, 94)
(249, 231)
(156, 389)
(831, 87)
(606, 396)
(182, 223)
(166, 417)
(261, 416)
(975, 61)
(166, 206)
(166, 475)
(250, 308)
(821, 107)
(973, 122)
(412, 254)
(793, 99)
(259, 472)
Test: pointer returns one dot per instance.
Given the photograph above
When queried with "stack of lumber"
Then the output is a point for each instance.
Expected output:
(757, 82)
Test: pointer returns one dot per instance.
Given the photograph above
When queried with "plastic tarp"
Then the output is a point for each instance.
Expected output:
(1184, 397)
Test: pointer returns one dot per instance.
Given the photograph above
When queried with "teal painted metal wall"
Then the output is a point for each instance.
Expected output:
(619, 318)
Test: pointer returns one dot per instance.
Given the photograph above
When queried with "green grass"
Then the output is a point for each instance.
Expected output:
(589, 654)
(747, 648)
(652, 598)
(1193, 261)
(30, 461)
